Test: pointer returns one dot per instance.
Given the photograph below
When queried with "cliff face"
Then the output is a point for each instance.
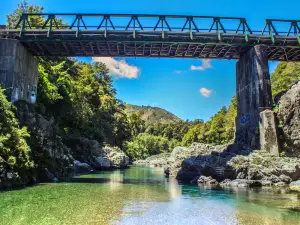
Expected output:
(48, 151)
(289, 120)
(58, 156)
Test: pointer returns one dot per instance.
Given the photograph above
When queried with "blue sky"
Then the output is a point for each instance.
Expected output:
(170, 83)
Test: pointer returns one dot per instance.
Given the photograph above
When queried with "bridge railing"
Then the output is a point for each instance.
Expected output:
(157, 23)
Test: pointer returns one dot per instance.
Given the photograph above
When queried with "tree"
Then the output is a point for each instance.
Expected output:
(14, 151)
(145, 145)
(285, 75)
(24, 7)
(136, 123)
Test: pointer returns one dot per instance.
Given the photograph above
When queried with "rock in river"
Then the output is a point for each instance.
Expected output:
(82, 167)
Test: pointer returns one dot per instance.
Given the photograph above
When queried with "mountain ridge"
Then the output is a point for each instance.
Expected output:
(152, 114)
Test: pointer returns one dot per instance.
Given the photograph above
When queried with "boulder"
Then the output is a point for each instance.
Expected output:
(247, 169)
(261, 165)
(82, 167)
(288, 115)
(207, 180)
(182, 159)
(118, 159)
(101, 163)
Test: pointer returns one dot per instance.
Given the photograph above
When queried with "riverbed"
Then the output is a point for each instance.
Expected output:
(143, 195)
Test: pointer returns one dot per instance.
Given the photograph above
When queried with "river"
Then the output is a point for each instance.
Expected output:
(141, 195)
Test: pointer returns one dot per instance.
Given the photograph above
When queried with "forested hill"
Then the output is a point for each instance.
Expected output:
(151, 114)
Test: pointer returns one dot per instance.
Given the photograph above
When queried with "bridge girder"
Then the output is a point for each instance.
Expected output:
(153, 36)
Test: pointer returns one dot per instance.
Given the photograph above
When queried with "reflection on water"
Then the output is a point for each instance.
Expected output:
(144, 196)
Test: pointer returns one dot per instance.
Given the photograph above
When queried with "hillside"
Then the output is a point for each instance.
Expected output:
(152, 114)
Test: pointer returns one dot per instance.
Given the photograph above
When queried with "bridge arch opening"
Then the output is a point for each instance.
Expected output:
(163, 36)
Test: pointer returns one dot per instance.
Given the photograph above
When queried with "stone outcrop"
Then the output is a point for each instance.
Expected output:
(81, 167)
(289, 120)
(207, 180)
(49, 152)
(180, 154)
(101, 163)
(232, 166)
(57, 158)
(117, 158)
(261, 165)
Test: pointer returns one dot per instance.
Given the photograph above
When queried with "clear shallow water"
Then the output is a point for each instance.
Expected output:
(144, 196)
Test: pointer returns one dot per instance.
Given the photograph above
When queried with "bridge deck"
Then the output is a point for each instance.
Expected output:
(135, 39)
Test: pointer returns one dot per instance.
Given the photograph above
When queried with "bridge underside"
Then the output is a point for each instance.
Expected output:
(151, 44)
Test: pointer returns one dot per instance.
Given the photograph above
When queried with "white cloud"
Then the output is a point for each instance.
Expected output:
(205, 65)
(205, 92)
(119, 68)
(178, 71)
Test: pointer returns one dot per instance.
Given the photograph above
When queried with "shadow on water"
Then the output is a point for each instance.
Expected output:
(123, 181)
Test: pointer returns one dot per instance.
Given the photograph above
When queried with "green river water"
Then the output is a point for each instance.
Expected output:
(142, 195)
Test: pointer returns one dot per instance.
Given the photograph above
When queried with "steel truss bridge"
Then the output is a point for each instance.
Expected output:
(124, 35)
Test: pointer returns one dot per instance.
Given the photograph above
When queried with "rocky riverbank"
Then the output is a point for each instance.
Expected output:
(228, 166)
(107, 159)
(58, 157)
(238, 166)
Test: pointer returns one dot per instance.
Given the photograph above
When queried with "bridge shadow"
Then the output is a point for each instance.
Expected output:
(215, 164)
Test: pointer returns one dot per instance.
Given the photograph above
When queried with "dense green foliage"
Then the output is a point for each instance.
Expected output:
(79, 96)
(151, 138)
(14, 151)
(285, 75)
(145, 145)
(82, 100)
(218, 130)
(76, 113)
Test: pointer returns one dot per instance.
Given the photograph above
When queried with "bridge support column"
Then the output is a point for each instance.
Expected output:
(254, 96)
(18, 71)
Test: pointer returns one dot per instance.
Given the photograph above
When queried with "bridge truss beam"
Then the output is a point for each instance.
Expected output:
(153, 36)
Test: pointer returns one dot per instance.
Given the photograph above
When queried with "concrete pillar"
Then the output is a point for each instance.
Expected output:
(268, 132)
(18, 71)
(253, 92)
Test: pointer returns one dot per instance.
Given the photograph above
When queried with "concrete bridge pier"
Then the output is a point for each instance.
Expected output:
(18, 71)
(255, 121)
